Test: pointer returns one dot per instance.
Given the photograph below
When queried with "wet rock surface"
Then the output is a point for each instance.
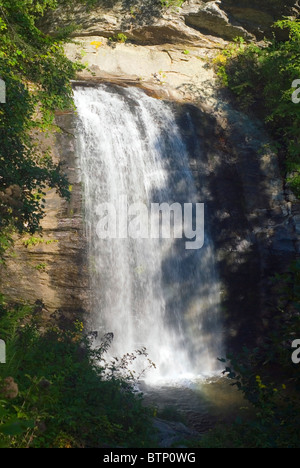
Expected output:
(170, 433)
(186, 410)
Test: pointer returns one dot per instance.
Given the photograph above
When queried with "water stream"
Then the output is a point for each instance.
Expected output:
(152, 293)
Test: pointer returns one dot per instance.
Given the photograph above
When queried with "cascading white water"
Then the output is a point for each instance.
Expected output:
(149, 293)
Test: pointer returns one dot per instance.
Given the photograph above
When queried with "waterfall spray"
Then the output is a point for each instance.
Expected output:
(148, 291)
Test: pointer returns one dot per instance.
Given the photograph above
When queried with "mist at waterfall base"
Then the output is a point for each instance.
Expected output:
(149, 293)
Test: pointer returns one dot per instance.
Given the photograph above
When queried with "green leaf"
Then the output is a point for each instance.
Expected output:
(16, 427)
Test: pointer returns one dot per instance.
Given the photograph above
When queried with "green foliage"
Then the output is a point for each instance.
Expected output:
(34, 241)
(252, 434)
(6, 242)
(231, 52)
(41, 266)
(37, 76)
(268, 379)
(261, 79)
(120, 37)
(170, 3)
(68, 395)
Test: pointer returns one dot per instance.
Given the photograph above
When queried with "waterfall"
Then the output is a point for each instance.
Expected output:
(152, 293)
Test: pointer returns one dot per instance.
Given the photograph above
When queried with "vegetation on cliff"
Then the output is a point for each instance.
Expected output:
(59, 391)
(37, 76)
(269, 380)
(261, 79)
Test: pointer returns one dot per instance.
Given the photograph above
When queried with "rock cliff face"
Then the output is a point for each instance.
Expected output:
(252, 218)
(255, 221)
(53, 268)
(146, 22)
(232, 18)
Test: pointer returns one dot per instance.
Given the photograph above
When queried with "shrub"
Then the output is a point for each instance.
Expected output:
(269, 380)
(120, 37)
(261, 79)
(68, 395)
